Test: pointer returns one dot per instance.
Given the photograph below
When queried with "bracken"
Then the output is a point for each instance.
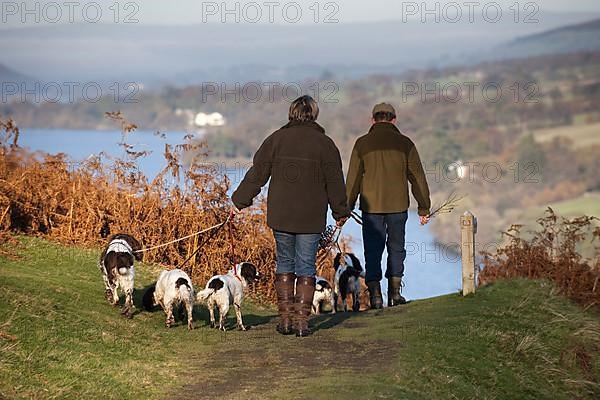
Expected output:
(82, 203)
(552, 253)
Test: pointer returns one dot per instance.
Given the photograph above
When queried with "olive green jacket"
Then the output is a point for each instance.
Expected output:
(382, 163)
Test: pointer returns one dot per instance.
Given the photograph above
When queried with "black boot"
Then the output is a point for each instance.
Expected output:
(375, 295)
(394, 289)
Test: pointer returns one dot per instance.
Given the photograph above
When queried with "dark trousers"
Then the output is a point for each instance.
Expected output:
(380, 230)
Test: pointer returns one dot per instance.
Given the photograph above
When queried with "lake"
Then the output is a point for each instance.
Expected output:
(430, 269)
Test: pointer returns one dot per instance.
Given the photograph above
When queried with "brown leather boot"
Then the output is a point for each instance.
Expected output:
(394, 290)
(305, 290)
(284, 286)
(375, 297)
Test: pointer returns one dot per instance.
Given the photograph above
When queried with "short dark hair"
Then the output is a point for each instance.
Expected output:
(304, 109)
(384, 117)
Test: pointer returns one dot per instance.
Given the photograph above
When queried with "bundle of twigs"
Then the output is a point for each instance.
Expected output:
(328, 241)
(329, 237)
(447, 205)
(445, 208)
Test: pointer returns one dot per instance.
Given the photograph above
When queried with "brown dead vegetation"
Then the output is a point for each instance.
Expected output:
(553, 253)
(82, 203)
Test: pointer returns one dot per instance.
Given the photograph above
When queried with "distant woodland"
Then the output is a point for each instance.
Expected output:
(526, 131)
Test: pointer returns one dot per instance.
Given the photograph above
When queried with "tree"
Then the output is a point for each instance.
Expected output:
(531, 156)
(440, 149)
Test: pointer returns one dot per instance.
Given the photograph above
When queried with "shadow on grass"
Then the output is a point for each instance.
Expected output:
(201, 315)
(257, 320)
(328, 321)
(250, 320)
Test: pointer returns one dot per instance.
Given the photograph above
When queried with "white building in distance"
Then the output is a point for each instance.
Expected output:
(201, 119)
(213, 119)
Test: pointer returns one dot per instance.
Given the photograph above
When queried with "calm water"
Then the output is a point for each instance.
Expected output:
(431, 270)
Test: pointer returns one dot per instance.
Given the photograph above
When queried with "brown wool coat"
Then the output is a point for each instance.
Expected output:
(305, 169)
(382, 164)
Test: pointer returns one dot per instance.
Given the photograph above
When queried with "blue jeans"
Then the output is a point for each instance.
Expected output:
(379, 230)
(297, 253)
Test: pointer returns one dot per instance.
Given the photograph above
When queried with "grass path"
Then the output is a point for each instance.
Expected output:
(60, 339)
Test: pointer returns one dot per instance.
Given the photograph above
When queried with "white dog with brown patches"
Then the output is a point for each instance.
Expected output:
(118, 272)
(223, 291)
(173, 288)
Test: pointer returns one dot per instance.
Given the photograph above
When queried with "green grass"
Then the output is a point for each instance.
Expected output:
(587, 204)
(59, 338)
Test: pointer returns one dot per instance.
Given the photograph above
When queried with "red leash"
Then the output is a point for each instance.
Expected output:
(231, 241)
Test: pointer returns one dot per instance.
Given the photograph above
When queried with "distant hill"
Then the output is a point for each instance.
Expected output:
(10, 75)
(569, 39)
(181, 55)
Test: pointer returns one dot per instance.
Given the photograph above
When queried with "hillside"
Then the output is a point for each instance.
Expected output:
(59, 339)
(165, 55)
(568, 39)
(9, 75)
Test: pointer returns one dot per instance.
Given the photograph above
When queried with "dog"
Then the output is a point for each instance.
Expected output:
(323, 296)
(116, 266)
(223, 291)
(347, 280)
(173, 288)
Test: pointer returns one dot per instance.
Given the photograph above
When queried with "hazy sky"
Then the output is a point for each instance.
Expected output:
(176, 12)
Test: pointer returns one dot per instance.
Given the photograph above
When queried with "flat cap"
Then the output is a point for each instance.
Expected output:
(384, 107)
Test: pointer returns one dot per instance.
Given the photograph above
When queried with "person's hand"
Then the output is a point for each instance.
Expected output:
(424, 219)
(340, 222)
(235, 210)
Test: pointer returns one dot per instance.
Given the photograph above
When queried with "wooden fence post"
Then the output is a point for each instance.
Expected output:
(468, 228)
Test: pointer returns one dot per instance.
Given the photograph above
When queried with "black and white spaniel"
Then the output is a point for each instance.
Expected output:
(323, 299)
(347, 280)
(116, 266)
(173, 288)
(223, 291)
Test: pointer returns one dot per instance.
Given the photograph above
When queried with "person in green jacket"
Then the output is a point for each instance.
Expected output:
(382, 164)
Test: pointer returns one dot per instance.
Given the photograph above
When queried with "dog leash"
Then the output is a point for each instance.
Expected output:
(216, 229)
(218, 226)
(232, 258)
(356, 217)
(204, 241)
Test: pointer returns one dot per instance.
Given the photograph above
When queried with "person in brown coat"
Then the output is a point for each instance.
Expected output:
(383, 163)
(305, 170)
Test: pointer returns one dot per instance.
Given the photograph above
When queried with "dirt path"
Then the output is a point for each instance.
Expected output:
(255, 363)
